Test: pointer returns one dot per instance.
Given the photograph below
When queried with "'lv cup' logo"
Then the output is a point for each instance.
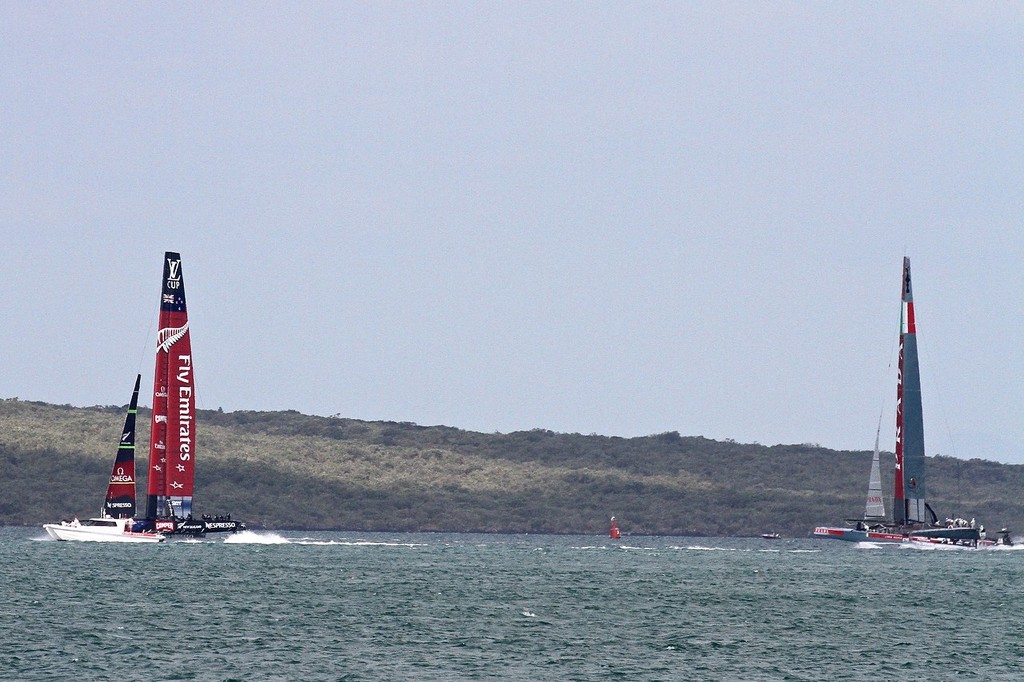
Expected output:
(173, 266)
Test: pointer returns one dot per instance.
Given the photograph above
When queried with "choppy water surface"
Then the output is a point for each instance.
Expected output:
(347, 606)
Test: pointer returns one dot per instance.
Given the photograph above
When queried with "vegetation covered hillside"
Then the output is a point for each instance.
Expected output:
(288, 470)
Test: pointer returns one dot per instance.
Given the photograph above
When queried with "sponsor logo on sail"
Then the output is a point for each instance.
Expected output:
(184, 378)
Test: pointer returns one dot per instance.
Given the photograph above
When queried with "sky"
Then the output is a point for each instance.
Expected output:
(618, 218)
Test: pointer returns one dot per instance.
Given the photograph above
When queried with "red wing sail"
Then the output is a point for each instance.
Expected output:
(172, 440)
(899, 506)
(120, 501)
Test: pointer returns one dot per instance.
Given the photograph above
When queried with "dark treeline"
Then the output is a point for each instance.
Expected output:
(285, 470)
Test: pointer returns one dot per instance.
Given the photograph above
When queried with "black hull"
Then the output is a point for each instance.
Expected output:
(953, 534)
(224, 526)
(196, 528)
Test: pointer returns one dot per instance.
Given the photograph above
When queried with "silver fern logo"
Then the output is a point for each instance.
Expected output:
(170, 336)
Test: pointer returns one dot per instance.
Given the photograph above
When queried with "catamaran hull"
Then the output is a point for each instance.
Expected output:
(932, 535)
(197, 528)
(854, 535)
(86, 534)
(948, 534)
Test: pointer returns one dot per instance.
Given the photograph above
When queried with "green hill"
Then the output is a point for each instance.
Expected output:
(289, 470)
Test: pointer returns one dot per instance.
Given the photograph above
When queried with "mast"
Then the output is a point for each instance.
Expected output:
(909, 498)
(172, 439)
(120, 500)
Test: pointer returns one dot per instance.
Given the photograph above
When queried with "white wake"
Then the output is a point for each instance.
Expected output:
(248, 537)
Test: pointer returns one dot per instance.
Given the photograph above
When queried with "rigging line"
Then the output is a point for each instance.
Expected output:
(887, 395)
(888, 398)
(936, 389)
(957, 461)
(145, 353)
(149, 342)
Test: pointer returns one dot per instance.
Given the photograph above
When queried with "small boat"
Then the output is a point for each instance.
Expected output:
(770, 536)
(116, 522)
(913, 518)
(614, 533)
(1002, 538)
(103, 529)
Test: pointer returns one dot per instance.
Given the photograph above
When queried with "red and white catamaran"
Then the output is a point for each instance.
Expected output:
(913, 519)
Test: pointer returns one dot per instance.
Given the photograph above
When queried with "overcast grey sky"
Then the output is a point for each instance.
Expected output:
(616, 218)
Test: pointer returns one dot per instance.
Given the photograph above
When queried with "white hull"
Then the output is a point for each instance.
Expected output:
(99, 530)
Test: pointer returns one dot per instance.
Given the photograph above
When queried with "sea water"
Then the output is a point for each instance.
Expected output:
(384, 606)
